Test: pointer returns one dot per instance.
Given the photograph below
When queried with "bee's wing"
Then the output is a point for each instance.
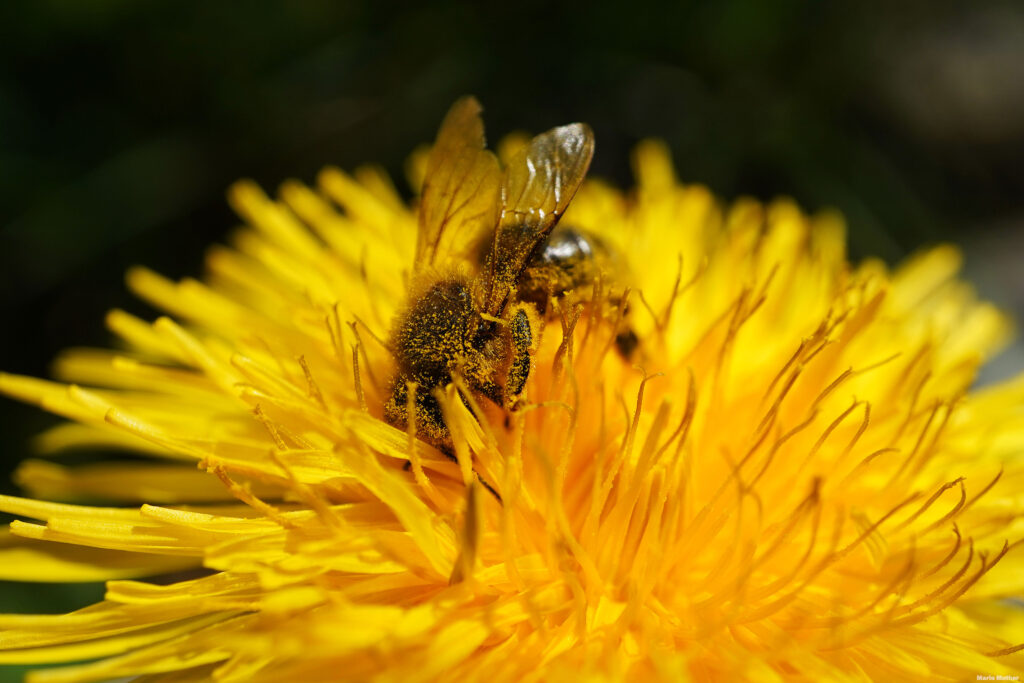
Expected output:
(461, 189)
(539, 183)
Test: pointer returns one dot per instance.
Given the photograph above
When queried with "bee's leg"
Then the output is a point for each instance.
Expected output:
(522, 341)
(488, 388)
(429, 420)
(395, 406)
(430, 424)
(490, 488)
(448, 449)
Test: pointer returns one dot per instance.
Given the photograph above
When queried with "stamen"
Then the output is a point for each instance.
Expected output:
(953, 512)
(917, 444)
(280, 433)
(594, 315)
(357, 381)
(375, 337)
(354, 326)
(647, 458)
(981, 493)
(828, 432)
(867, 533)
(911, 409)
(779, 442)
(308, 494)
(734, 316)
(952, 553)
(928, 503)
(789, 363)
(332, 321)
(683, 430)
(244, 494)
(674, 296)
(864, 463)
(563, 354)
(810, 504)
(270, 427)
(627, 449)
(314, 388)
(895, 588)
(986, 566)
(654, 316)
(860, 430)
(945, 586)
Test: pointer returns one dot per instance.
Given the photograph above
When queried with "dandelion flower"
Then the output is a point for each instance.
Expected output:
(791, 479)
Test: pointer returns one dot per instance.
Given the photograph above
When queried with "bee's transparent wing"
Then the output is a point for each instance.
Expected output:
(461, 189)
(539, 183)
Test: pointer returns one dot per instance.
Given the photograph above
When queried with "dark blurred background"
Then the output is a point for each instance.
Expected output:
(121, 123)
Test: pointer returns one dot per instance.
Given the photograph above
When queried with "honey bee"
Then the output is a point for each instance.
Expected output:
(567, 264)
(480, 327)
